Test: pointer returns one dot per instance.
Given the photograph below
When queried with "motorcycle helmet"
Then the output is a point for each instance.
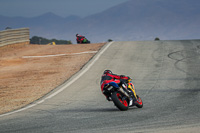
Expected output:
(77, 35)
(107, 71)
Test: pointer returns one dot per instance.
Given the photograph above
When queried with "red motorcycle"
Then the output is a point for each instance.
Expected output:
(121, 96)
(82, 40)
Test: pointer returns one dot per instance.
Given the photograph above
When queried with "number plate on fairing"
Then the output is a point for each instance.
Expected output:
(109, 88)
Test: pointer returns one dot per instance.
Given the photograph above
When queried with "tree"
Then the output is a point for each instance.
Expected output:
(41, 40)
(157, 39)
(110, 40)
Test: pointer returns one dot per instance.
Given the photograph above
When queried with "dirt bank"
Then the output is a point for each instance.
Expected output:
(24, 78)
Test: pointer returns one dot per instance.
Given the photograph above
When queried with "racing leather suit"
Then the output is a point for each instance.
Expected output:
(119, 79)
(80, 39)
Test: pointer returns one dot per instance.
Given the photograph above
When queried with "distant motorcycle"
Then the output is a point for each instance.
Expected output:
(121, 97)
(82, 40)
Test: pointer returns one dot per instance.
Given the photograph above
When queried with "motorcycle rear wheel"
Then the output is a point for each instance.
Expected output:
(120, 102)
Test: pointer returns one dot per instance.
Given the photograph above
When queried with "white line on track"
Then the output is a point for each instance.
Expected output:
(43, 56)
(84, 70)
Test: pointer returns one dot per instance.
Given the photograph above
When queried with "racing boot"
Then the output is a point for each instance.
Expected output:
(107, 95)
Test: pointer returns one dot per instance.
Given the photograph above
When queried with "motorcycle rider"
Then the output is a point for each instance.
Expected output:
(81, 39)
(108, 77)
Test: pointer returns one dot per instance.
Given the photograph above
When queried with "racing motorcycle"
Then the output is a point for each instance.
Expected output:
(121, 96)
(82, 40)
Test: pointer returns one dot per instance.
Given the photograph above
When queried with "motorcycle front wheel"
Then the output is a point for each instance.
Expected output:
(139, 102)
(120, 101)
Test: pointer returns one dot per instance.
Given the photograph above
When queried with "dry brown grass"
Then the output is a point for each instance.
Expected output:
(24, 80)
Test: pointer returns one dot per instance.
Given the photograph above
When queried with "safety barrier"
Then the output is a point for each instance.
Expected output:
(14, 36)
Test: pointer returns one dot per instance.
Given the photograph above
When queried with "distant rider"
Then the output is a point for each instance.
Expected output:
(108, 77)
(79, 38)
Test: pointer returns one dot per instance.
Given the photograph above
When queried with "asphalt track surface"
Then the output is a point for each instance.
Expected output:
(166, 75)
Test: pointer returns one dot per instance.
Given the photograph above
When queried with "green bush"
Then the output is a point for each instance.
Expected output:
(110, 40)
(41, 40)
(157, 39)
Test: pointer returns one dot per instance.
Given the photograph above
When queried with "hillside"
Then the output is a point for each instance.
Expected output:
(132, 20)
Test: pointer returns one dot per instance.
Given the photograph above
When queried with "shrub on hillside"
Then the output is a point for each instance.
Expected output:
(41, 40)
(157, 39)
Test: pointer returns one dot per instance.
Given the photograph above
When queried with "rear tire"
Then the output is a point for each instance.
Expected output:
(119, 101)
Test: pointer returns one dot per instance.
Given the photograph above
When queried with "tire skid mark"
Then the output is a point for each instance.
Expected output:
(161, 67)
(183, 57)
(187, 58)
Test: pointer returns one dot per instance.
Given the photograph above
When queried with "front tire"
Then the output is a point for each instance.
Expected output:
(139, 102)
(120, 102)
